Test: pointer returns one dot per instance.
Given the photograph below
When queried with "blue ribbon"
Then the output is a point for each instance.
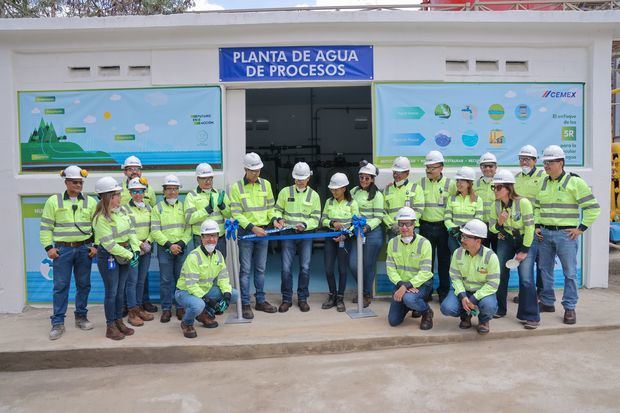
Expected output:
(305, 235)
(231, 227)
(358, 225)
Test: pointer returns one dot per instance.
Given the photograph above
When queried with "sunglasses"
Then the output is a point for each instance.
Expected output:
(137, 191)
(497, 187)
(487, 165)
(405, 224)
(365, 178)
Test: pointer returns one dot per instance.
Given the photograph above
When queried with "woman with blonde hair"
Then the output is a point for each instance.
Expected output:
(462, 207)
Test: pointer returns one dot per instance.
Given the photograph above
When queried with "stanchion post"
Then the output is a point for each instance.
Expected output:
(361, 312)
(233, 251)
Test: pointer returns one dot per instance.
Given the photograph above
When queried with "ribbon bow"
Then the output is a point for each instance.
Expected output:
(231, 227)
(358, 225)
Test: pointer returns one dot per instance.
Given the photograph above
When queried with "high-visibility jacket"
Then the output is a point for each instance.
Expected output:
(409, 263)
(118, 229)
(528, 185)
(520, 220)
(201, 270)
(559, 200)
(196, 203)
(460, 210)
(478, 274)
(140, 218)
(371, 210)
(252, 203)
(149, 195)
(336, 211)
(168, 224)
(395, 197)
(299, 207)
(61, 218)
(483, 190)
(436, 195)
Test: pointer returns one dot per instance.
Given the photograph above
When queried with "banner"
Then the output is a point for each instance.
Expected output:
(247, 64)
(167, 128)
(465, 120)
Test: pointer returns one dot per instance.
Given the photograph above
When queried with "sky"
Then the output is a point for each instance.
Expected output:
(256, 4)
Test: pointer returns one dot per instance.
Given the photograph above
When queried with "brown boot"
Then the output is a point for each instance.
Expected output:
(113, 333)
(188, 331)
(465, 321)
(165, 316)
(180, 313)
(133, 317)
(427, 320)
(123, 328)
(207, 321)
(144, 315)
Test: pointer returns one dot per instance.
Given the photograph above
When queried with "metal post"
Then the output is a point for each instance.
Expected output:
(361, 311)
(233, 251)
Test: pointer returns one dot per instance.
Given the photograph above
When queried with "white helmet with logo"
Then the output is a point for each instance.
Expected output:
(131, 161)
(528, 150)
(107, 184)
(172, 180)
(252, 161)
(401, 164)
(74, 172)
(552, 152)
(301, 171)
(504, 176)
(466, 173)
(137, 183)
(204, 170)
(487, 157)
(370, 169)
(433, 157)
(338, 180)
(405, 214)
(209, 226)
(475, 228)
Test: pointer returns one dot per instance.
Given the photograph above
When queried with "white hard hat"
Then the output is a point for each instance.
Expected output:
(475, 228)
(466, 173)
(204, 170)
(137, 183)
(370, 169)
(107, 184)
(252, 161)
(401, 164)
(552, 152)
(74, 172)
(528, 150)
(301, 171)
(172, 180)
(433, 157)
(405, 214)
(487, 157)
(338, 180)
(131, 161)
(504, 176)
(209, 226)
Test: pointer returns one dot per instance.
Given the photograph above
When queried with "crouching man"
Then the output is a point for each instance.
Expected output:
(204, 288)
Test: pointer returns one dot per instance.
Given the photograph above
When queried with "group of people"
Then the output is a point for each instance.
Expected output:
(474, 229)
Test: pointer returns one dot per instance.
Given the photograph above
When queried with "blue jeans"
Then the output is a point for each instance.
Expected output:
(374, 242)
(220, 246)
(194, 306)
(411, 301)
(453, 244)
(71, 259)
(332, 252)
(528, 302)
(136, 281)
(304, 248)
(558, 243)
(252, 254)
(169, 271)
(437, 234)
(114, 283)
(452, 307)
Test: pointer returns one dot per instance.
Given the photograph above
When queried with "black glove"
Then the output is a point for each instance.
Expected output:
(209, 208)
(209, 302)
(224, 303)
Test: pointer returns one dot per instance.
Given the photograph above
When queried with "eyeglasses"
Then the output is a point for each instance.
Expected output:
(405, 224)
(137, 191)
(432, 168)
(365, 178)
(465, 236)
(205, 179)
(526, 159)
(488, 165)
(172, 189)
(551, 161)
(497, 187)
(133, 169)
(75, 181)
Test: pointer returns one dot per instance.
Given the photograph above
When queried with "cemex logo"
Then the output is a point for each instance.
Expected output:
(558, 94)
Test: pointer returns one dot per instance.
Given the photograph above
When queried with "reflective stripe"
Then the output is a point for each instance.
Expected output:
(60, 200)
(190, 281)
(395, 246)
(407, 268)
(595, 206)
(560, 206)
(487, 257)
(432, 205)
(69, 234)
(426, 262)
(423, 183)
(585, 199)
(198, 257)
(71, 224)
(47, 221)
(172, 226)
(544, 184)
(141, 224)
(565, 184)
(462, 216)
(552, 215)
(459, 253)
(419, 249)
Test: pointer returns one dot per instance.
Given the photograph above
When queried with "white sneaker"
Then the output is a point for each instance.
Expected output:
(57, 331)
(83, 324)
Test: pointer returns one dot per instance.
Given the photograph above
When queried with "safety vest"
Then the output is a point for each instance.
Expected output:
(559, 200)
(409, 262)
(252, 203)
(149, 195)
(520, 220)
(299, 207)
(528, 185)
(487, 194)
(436, 195)
(478, 274)
(195, 212)
(65, 220)
(395, 197)
(201, 270)
(118, 229)
(371, 210)
(140, 218)
(342, 212)
(460, 210)
(168, 224)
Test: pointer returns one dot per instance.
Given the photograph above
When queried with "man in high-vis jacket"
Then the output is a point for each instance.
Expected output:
(409, 267)
(252, 204)
(474, 271)
(483, 188)
(67, 236)
(400, 193)
(558, 226)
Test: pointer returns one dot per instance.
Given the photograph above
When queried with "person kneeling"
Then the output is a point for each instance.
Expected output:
(474, 271)
(409, 263)
(204, 288)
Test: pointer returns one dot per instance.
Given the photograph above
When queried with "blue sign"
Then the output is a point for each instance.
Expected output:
(252, 64)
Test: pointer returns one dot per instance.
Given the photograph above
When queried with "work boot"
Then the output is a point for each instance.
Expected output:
(415, 314)
(266, 307)
(145, 315)
(82, 323)
(329, 302)
(303, 306)
(57, 331)
(166, 315)
(483, 328)
(340, 304)
(570, 317)
(515, 299)
(112, 332)
(284, 307)
(206, 320)
(149, 308)
(246, 311)
(465, 321)
(427, 320)
(367, 300)
(188, 331)
(531, 324)
(180, 313)
(546, 308)
(134, 317)
(123, 328)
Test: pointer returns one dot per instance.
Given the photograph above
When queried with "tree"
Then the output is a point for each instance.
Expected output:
(90, 8)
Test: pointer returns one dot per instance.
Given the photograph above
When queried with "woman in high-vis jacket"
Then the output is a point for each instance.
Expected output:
(462, 207)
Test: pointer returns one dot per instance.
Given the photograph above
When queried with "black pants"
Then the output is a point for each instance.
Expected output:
(491, 241)
(437, 234)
